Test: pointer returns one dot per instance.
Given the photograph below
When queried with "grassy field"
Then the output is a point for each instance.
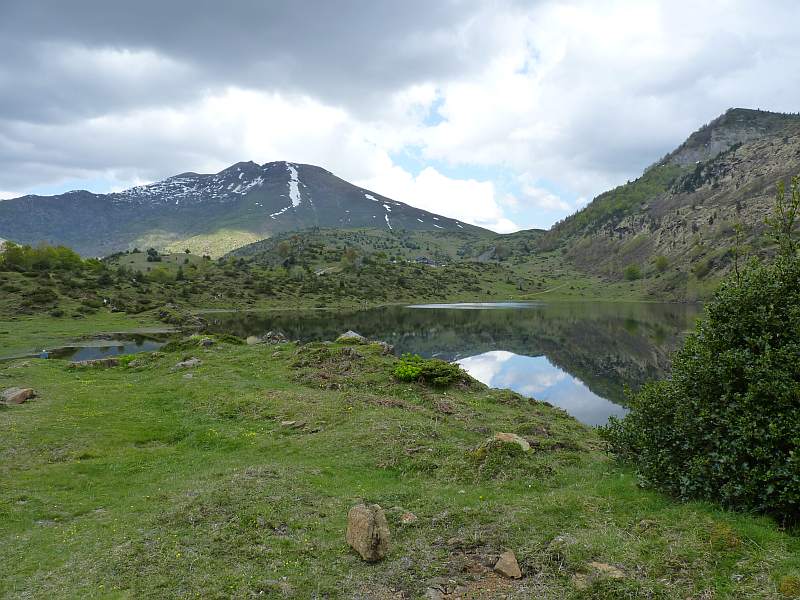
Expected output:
(139, 482)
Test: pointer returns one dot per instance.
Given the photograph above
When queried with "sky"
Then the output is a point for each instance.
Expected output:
(507, 114)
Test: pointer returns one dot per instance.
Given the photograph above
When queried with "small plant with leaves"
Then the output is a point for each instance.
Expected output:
(431, 371)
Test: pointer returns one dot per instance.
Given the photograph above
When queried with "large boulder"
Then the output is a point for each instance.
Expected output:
(368, 531)
(351, 337)
(507, 565)
(16, 395)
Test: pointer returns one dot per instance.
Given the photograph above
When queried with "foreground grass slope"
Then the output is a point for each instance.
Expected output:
(139, 482)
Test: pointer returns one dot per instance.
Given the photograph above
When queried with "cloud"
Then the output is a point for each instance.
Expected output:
(570, 98)
(468, 200)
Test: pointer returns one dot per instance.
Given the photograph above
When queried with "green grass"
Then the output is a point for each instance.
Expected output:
(135, 482)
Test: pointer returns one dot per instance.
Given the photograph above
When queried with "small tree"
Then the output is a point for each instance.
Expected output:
(632, 273)
(661, 263)
(724, 426)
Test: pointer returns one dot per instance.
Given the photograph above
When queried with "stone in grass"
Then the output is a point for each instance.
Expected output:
(352, 337)
(17, 395)
(188, 364)
(606, 570)
(507, 565)
(407, 518)
(512, 438)
(368, 531)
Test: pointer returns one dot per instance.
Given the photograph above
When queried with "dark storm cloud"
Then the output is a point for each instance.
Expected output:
(344, 52)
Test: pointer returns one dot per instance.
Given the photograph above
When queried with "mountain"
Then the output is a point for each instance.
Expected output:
(211, 214)
(675, 225)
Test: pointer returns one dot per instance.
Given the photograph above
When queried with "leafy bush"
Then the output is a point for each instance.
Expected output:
(725, 426)
(432, 371)
(408, 369)
(632, 273)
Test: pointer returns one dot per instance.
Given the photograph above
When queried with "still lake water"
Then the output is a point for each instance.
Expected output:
(578, 356)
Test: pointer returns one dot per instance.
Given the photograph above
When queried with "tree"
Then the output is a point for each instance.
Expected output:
(661, 263)
(152, 255)
(632, 273)
(724, 426)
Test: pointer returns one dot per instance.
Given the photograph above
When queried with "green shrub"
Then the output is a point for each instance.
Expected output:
(661, 263)
(632, 273)
(409, 368)
(725, 426)
(432, 371)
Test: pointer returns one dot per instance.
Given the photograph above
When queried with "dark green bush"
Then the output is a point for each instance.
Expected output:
(632, 273)
(726, 426)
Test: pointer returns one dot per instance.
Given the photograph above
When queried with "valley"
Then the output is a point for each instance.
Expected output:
(221, 459)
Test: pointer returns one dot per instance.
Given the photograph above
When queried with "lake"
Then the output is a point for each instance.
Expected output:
(578, 356)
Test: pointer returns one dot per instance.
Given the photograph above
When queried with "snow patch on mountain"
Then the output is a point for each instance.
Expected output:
(294, 187)
(389, 225)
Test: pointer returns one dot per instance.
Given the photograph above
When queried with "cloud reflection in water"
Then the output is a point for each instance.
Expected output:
(537, 377)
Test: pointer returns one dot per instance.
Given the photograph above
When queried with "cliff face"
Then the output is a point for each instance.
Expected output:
(675, 225)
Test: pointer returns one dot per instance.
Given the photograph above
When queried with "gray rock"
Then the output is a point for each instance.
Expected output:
(368, 531)
(188, 364)
(97, 362)
(16, 395)
(352, 337)
(386, 348)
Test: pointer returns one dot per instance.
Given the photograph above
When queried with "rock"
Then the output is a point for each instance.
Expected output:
(408, 517)
(433, 594)
(17, 395)
(606, 570)
(189, 376)
(507, 565)
(97, 362)
(274, 337)
(351, 353)
(368, 531)
(352, 337)
(188, 364)
(512, 438)
(252, 340)
(206, 342)
(288, 423)
(386, 348)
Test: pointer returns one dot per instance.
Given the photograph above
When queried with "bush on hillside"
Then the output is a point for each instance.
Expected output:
(726, 425)
(432, 371)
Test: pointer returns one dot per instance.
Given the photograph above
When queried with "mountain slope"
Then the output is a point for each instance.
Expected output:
(675, 224)
(210, 213)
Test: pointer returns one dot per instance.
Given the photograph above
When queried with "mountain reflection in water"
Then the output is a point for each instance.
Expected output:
(579, 356)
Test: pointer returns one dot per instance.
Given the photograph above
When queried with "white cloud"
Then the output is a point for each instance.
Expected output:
(576, 93)
(468, 200)
(5, 195)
